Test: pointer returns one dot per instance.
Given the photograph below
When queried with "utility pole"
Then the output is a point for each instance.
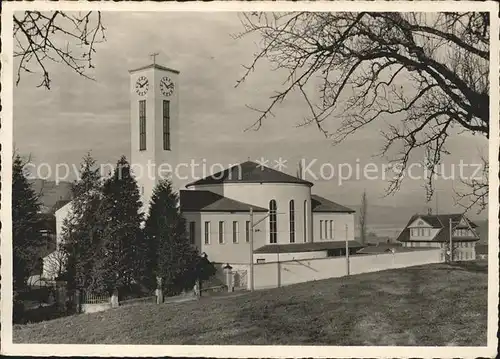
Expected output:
(252, 226)
(346, 250)
(251, 250)
(451, 241)
(279, 267)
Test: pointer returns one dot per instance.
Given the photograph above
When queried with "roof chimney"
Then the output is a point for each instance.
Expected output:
(429, 211)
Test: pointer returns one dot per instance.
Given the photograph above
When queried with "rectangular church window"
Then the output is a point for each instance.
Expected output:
(142, 125)
(192, 229)
(207, 232)
(221, 232)
(235, 231)
(166, 125)
(247, 231)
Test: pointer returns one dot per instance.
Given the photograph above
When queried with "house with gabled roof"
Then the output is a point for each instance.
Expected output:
(439, 230)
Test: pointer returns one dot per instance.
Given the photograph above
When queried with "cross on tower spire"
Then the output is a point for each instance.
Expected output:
(153, 55)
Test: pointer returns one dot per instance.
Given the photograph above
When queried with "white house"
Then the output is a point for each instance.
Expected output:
(53, 263)
(433, 230)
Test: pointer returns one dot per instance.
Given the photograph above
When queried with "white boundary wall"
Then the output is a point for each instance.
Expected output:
(272, 275)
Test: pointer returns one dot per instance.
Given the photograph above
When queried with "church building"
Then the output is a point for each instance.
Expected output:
(222, 209)
(245, 213)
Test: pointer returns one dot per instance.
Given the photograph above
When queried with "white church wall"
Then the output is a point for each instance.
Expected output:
(340, 220)
(228, 251)
(260, 194)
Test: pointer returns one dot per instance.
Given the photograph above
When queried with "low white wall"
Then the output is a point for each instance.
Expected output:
(95, 307)
(269, 275)
(273, 257)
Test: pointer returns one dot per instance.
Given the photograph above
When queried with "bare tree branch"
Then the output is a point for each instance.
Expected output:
(44, 37)
(424, 76)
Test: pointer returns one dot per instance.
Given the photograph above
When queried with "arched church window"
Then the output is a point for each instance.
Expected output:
(292, 221)
(273, 222)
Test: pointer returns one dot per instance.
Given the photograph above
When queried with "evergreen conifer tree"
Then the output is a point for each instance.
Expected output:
(26, 237)
(171, 255)
(83, 227)
(122, 251)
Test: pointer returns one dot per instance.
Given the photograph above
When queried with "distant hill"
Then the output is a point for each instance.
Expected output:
(50, 192)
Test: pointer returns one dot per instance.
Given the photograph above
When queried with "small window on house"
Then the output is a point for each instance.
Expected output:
(260, 260)
(247, 231)
(235, 231)
(207, 232)
(192, 230)
(221, 232)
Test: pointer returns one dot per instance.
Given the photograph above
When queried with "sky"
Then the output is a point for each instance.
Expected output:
(77, 115)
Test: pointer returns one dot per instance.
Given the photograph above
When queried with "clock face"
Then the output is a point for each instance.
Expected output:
(166, 86)
(142, 85)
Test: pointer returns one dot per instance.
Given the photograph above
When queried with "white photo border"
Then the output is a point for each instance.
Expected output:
(276, 351)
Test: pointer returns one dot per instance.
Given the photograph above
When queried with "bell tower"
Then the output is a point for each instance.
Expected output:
(154, 126)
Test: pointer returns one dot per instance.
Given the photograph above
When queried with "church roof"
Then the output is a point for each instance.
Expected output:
(249, 172)
(156, 66)
(321, 204)
(206, 201)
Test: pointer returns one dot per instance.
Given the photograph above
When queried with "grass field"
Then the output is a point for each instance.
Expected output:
(426, 305)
